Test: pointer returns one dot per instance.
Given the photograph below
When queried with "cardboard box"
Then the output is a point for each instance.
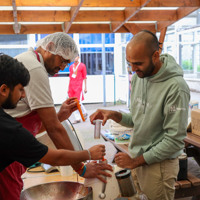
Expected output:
(195, 121)
(192, 105)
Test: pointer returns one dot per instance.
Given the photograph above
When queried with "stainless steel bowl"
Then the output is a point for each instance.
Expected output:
(61, 190)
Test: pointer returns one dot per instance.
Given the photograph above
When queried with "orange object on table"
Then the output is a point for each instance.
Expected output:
(79, 109)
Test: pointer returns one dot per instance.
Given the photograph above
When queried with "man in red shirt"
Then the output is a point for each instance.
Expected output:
(77, 75)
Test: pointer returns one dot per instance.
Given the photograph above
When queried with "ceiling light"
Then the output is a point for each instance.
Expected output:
(142, 22)
(34, 8)
(159, 8)
(101, 8)
(105, 22)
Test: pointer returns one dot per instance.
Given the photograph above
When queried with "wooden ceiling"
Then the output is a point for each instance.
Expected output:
(91, 16)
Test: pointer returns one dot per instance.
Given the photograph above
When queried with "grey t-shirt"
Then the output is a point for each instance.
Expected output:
(38, 92)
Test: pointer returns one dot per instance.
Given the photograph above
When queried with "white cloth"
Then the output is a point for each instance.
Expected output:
(38, 92)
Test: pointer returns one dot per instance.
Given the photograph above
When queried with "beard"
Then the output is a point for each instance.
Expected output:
(148, 72)
(8, 104)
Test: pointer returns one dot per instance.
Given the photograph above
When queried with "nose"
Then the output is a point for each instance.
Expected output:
(62, 67)
(23, 94)
(134, 68)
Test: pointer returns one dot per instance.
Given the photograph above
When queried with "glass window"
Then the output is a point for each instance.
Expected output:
(109, 38)
(92, 58)
(13, 39)
(126, 37)
(90, 39)
(187, 37)
(124, 63)
(13, 52)
(186, 58)
(170, 37)
(43, 35)
(169, 50)
(197, 38)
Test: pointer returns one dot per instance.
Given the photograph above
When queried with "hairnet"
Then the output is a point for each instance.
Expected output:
(59, 44)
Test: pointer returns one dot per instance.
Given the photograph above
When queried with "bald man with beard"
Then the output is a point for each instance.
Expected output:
(158, 114)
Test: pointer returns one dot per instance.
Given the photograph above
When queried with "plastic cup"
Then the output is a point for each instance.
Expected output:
(97, 128)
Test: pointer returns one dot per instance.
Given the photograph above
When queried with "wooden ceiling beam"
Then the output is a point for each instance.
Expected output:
(104, 3)
(174, 3)
(6, 16)
(129, 3)
(100, 16)
(86, 16)
(162, 38)
(135, 28)
(40, 29)
(6, 3)
(152, 15)
(43, 16)
(181, 12)
(129, 15)
(94, 28)
(73, 12)
(6, 29)
(47, 29)
(51, 3)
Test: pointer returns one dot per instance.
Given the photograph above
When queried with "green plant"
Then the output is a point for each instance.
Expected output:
(187, 65)
(198, 68)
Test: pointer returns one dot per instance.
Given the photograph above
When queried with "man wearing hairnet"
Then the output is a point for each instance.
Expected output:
(36, 111)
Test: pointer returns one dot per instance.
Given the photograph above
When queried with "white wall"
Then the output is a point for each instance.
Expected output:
(59, 88)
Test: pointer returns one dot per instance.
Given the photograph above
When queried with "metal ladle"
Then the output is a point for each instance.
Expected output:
(103, 195)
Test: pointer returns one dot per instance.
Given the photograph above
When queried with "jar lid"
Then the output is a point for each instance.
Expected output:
(182, 156)
(122, 174)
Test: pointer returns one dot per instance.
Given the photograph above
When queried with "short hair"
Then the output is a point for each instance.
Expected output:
(12, 72)
(149, 39)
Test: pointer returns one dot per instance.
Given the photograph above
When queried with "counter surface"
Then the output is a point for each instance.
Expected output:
(31, 179)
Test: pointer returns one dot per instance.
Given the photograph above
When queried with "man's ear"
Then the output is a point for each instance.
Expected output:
(4, 90)
(50, 46)
(156, 56)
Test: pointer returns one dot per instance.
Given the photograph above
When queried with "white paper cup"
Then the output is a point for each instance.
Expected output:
(66, 170)
(97, 128)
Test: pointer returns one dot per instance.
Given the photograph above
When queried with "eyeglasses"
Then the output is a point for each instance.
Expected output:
(65, 62)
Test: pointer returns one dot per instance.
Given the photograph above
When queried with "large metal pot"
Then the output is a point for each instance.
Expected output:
(61, 190)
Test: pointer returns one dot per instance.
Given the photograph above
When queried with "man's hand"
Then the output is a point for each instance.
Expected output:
(105, 115)
(123, 160)
(97, 152)
(66, 109)
(100, 114)
(97, 170)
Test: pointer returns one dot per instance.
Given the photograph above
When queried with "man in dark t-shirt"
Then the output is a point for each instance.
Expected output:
(17, 143)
